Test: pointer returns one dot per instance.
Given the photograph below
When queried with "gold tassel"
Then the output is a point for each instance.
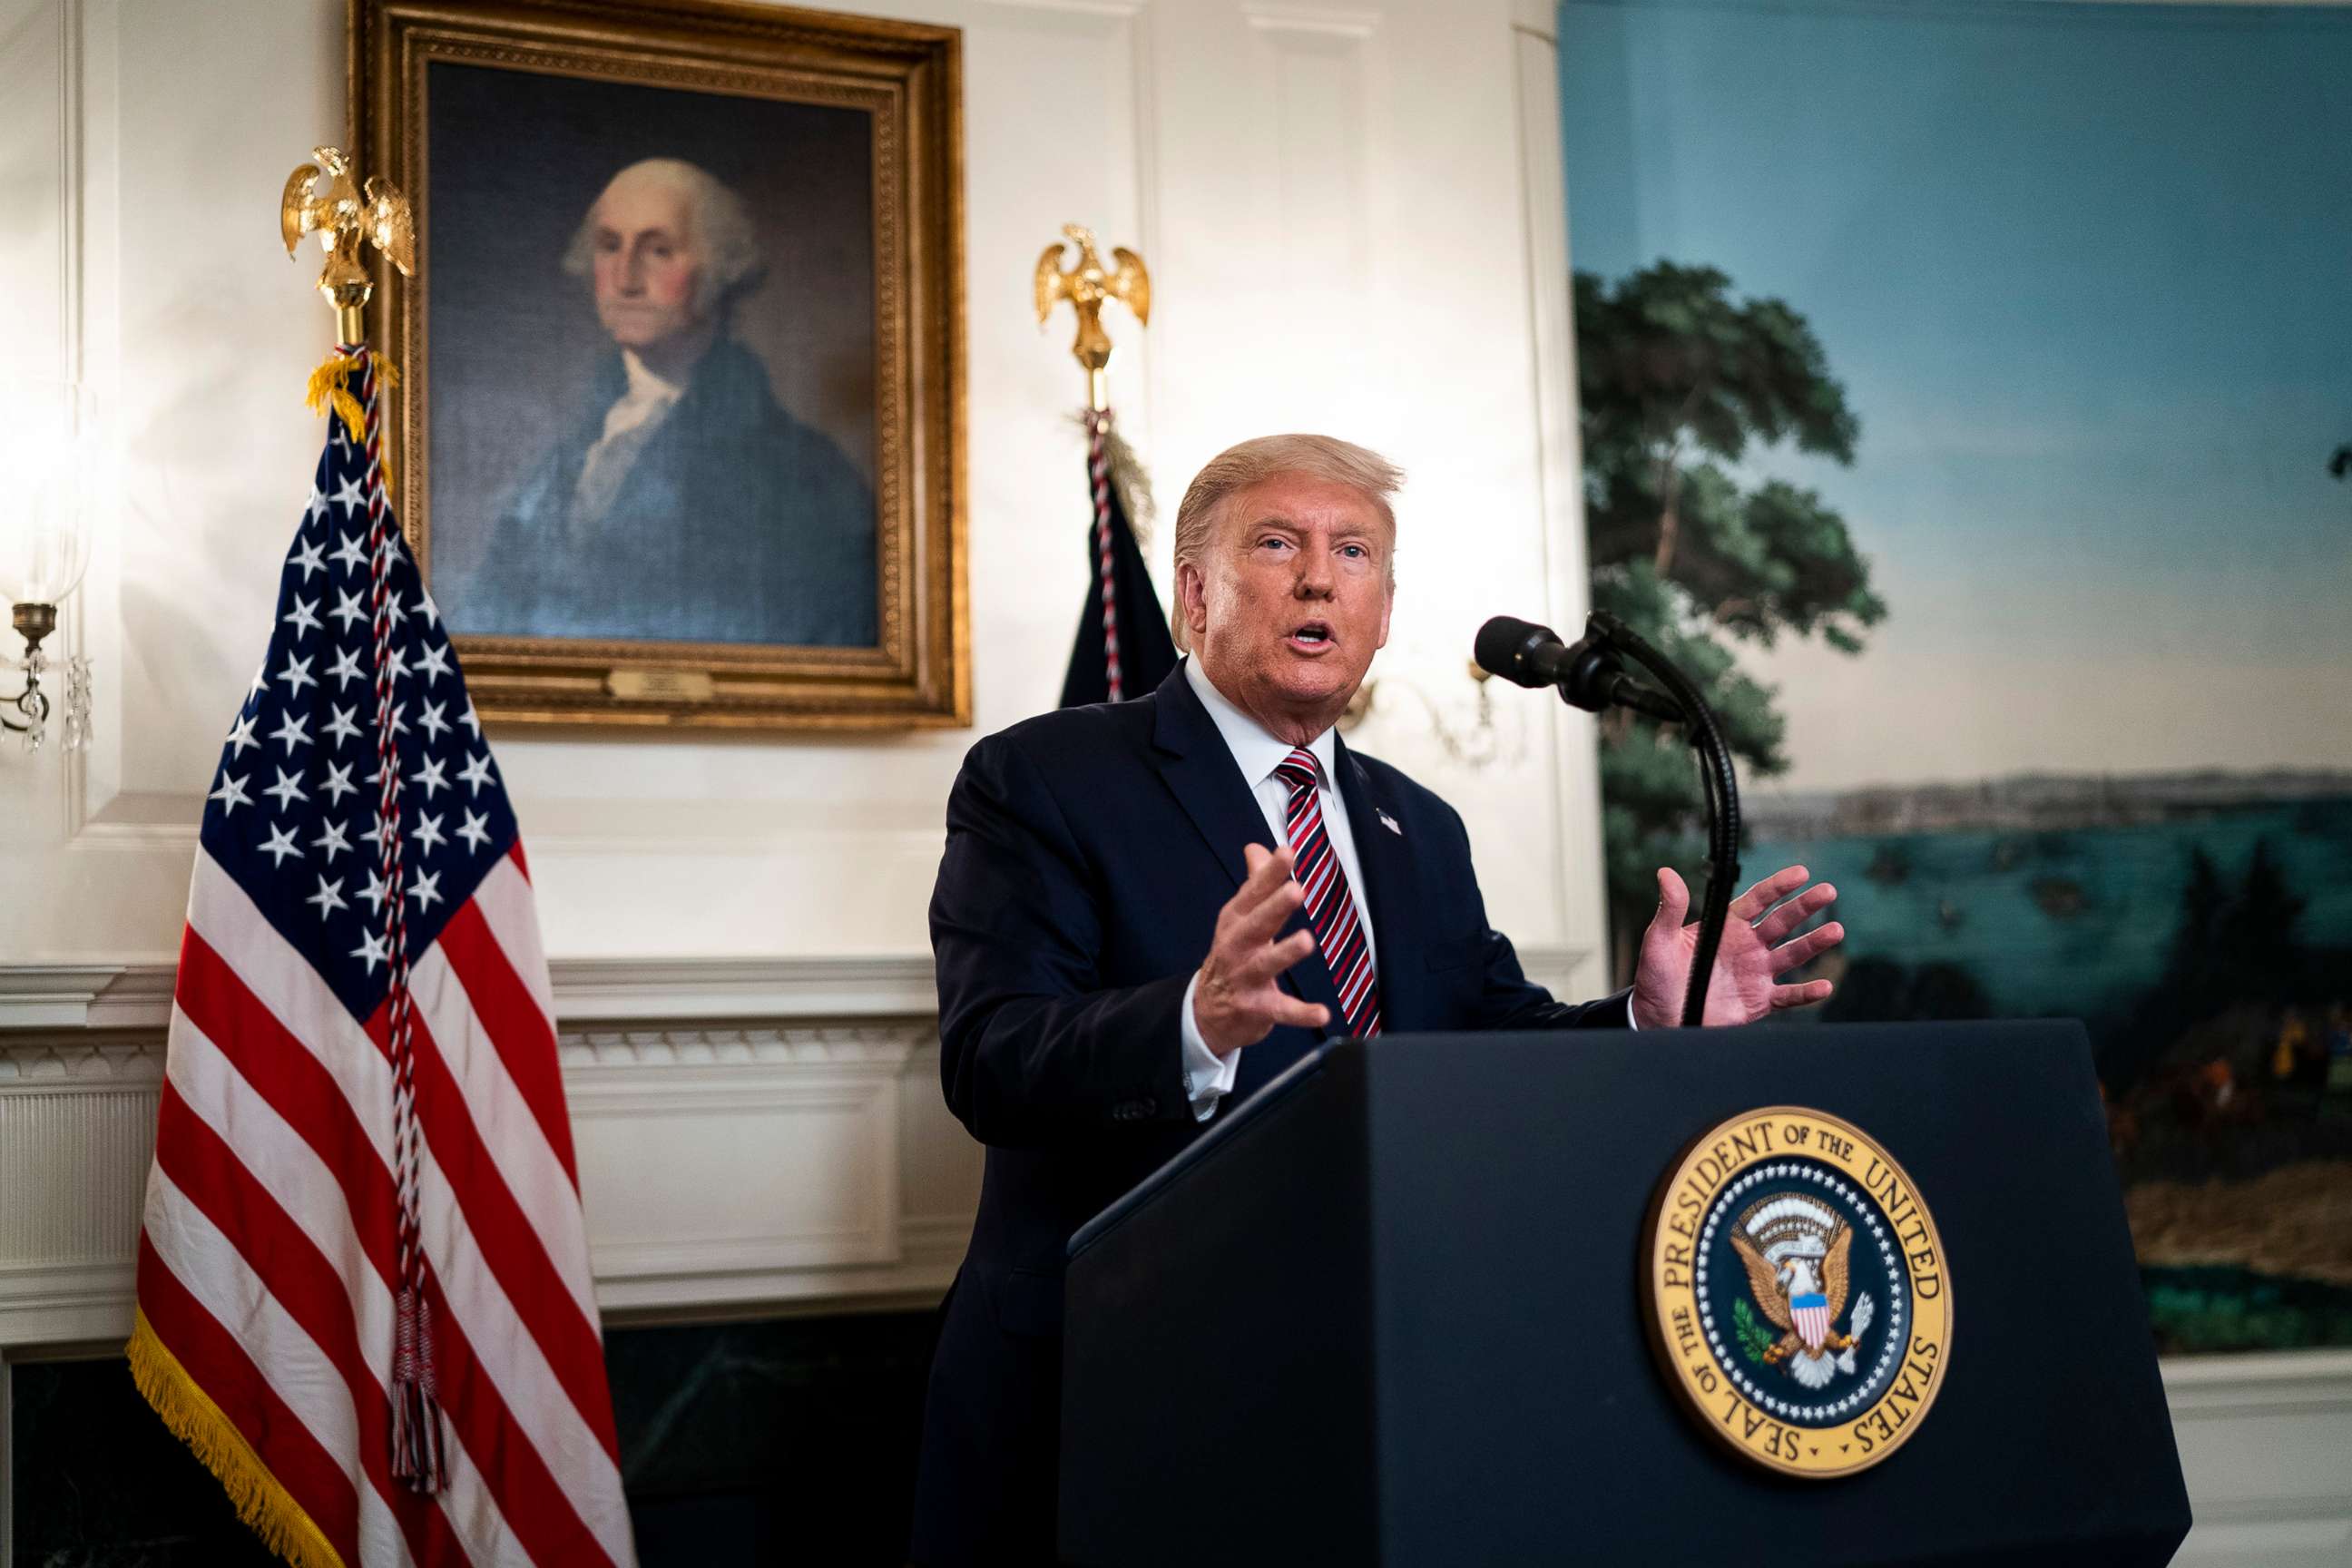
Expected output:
(332, 384)
(263, 1505)
(1130, 479)
(1134, 483)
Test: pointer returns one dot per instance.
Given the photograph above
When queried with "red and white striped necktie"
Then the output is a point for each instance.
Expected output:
(1330, 907)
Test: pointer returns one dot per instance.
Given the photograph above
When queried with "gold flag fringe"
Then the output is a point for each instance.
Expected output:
(263, 1505)
(332, 384)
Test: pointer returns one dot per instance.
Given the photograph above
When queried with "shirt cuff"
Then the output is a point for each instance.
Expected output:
(1208, 1077)
(1631, 1022)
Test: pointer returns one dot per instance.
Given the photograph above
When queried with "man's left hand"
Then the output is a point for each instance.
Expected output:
(1748, 966)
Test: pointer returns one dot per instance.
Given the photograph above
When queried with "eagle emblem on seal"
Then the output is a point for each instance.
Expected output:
(1797, 1251)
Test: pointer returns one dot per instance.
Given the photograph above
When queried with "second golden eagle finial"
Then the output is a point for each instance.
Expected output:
(1085, 286)
(322, 195)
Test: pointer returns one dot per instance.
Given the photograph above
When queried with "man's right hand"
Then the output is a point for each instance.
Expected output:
(1240, 999)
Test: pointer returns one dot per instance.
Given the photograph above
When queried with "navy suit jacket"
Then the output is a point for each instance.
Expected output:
(1088, 853)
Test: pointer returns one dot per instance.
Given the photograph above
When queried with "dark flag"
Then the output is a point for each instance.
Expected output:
(1123, 648)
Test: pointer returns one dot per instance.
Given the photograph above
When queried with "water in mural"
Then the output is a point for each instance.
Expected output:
(1961, 385)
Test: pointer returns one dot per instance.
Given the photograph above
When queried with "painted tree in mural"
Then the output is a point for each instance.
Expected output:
(1678, 380)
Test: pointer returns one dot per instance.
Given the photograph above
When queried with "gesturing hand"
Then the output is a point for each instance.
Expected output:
(1744, 986)
(1240, 998)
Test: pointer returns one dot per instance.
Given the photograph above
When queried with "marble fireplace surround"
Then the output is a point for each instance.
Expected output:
(760, 1137)
(753, 1136)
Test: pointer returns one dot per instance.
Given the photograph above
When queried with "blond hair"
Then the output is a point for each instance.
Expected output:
(1267, 456)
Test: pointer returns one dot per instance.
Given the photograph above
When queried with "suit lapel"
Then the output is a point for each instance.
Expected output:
(1202, 776)
(1386, 857)
(1201, 773)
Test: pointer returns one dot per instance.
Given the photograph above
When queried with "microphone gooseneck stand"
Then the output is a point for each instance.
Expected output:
(1722, 799)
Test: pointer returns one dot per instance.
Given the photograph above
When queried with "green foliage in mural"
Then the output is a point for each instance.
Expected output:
(1677, 381)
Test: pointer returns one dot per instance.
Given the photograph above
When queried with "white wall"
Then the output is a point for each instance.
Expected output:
(1332, 201)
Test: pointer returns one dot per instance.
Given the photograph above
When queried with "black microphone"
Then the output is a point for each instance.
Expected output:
(1587, 673)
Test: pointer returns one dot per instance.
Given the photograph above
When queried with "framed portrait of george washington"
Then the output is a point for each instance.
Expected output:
(679, 440)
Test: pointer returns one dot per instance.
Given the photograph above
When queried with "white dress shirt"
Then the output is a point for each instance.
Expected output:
(629, 424)
(1209, 1077)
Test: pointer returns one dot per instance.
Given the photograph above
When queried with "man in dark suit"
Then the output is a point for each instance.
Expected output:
(1148, 909)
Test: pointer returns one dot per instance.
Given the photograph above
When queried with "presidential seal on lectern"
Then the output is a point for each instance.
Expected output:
(1797, 1292)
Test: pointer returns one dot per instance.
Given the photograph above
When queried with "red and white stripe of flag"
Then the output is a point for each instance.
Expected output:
(268, 1262)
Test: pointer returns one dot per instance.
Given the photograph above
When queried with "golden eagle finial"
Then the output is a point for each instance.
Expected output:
(346, 213)
(1085, 286)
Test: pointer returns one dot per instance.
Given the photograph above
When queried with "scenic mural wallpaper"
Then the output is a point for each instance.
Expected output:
(1965, 393)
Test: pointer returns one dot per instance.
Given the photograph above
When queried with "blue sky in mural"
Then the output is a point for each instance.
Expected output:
(2086, 272)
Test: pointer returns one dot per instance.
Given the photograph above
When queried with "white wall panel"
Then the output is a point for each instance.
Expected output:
(715, 1163)
(2266, 1445)
(33, 57)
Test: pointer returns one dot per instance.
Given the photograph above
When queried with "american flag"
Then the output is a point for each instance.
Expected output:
(1123, 648)
(290, 1178)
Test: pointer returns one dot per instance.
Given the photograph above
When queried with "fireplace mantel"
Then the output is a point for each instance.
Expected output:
(51, 996)
(755, 1136)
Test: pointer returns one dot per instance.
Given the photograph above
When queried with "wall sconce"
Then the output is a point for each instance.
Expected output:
(48, 474)
(1474, 744)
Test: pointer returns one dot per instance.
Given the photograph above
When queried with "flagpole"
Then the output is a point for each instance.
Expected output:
(1087, 285)
(326, 196)
(345, 215)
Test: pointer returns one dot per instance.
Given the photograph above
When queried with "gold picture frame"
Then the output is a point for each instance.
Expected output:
(502, 121)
